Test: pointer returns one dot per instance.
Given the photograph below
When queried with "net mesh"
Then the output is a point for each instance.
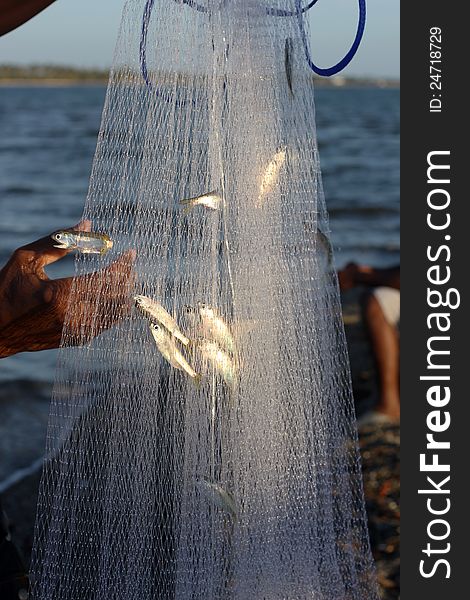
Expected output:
(239, 476)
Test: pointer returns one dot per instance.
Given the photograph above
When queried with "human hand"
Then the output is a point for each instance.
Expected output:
(33, 307)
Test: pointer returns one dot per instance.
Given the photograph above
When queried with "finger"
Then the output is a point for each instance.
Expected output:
(118, 274)
(101, 299)
(43, 252)
(53, 254)
(123, 265)
(84, 225)
(116, 279)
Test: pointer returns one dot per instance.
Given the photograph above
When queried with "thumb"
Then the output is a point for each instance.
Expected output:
(43, 252)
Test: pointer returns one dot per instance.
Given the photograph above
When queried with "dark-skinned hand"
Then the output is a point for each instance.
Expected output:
(33, 307)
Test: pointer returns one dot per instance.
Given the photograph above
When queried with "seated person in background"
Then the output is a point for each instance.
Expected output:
(382, 316)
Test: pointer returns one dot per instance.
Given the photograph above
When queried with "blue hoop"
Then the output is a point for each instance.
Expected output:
(349, 55)
(299, 12)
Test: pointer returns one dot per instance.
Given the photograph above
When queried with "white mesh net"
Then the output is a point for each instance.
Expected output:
(225, 467)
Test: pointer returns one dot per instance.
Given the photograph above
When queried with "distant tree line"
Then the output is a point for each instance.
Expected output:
(52, 72)
(64, 73)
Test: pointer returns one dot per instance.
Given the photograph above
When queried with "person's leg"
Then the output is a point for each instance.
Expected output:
(386, 348)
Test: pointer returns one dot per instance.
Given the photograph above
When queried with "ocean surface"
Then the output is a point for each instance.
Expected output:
(48, 138)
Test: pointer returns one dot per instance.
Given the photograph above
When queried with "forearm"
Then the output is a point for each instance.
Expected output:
(14, 13)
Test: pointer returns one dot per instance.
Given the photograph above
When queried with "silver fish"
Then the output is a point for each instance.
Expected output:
(85, 242)
(214, 326)
(220, 359)
(288, 49)
(167, 346)
(271, 174)
(153, 309)
(210, 200)
(323, 244)
(216, 494)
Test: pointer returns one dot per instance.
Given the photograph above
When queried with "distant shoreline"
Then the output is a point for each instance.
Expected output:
(51, 82)
(61, 76)
(65, 82)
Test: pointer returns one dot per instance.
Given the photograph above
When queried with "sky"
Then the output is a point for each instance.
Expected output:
(83, 34)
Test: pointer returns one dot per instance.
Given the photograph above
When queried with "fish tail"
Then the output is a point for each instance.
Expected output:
(181, 337)
(190, 344)
(188, 203)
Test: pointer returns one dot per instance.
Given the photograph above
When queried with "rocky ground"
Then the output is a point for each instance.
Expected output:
(380, 451)
(379, 443)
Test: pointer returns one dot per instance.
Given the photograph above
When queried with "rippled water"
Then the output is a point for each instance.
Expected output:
(48, 137)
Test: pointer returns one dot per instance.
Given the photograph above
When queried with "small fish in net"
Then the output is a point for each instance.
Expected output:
(246, 485)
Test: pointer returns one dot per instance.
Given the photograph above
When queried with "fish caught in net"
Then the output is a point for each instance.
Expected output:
(204, 446)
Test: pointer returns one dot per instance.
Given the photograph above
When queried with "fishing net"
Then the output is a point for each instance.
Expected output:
(234, 474)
